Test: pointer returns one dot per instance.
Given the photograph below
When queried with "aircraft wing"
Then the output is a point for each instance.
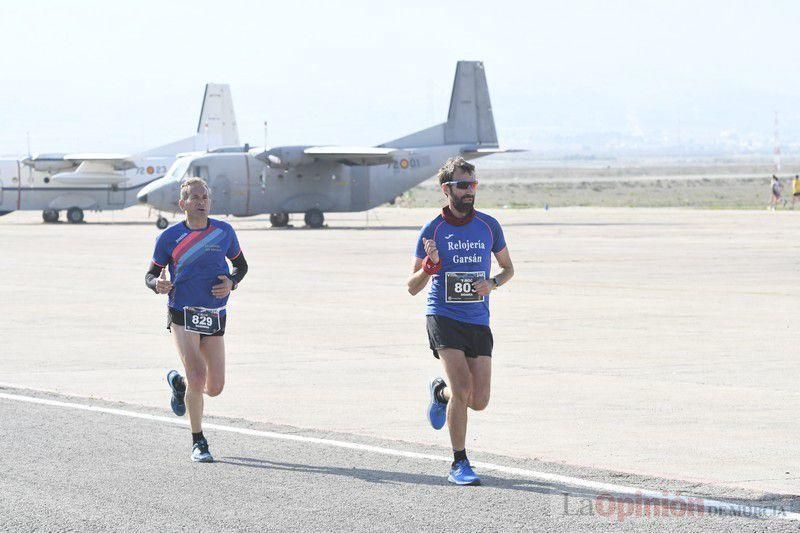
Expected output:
(99, 160)
(474, 151)
(96, 169)
(353, 155)
(61, 162)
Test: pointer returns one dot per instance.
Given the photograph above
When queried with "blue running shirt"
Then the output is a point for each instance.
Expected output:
(466, 248)
(195, 259)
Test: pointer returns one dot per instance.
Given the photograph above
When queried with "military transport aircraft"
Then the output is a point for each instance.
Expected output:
(318, 179)
(99, 181)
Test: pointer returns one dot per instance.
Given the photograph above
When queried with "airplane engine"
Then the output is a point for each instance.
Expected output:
(285, 157)
(48, 163)
(91, 173)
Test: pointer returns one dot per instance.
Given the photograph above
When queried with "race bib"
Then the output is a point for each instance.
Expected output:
(201, 320)
(460, 287)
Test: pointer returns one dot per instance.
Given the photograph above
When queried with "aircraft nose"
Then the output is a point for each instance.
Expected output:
(145, 192)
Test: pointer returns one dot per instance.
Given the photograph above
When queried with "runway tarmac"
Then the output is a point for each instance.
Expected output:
(654, 342)
(94, 466)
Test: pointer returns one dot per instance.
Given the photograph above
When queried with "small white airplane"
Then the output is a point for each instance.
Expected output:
(100, 181)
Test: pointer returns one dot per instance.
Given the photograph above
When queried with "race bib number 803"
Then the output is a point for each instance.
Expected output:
(460, 287)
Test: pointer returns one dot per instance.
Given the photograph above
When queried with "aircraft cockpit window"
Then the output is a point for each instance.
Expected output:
(179, 169)
(199, 171)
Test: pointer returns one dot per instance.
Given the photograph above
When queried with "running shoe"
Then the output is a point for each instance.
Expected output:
(200, 453)
(437, 411)
(178, 387)
(462, 474)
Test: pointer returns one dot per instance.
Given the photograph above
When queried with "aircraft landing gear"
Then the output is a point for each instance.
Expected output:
(50, 215)
(75, 215)
(314, 218)
(162, 223)
(279, 220)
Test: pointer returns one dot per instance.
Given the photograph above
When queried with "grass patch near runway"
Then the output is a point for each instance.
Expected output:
(697, 187)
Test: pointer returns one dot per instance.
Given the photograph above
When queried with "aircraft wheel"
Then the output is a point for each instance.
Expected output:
(279, 220)
(75, 215)
(162, 223)
(50, 216)
(314, 218)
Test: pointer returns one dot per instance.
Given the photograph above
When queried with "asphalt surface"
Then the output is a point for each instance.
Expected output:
(65, 469)
(656, 341)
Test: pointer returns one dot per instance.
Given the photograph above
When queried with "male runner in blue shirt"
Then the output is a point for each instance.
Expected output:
(195, 251)
(455, 250)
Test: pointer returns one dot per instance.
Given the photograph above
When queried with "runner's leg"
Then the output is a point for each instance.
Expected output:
(188, 345)
(458, 392)
(212, 350)
(481, 370)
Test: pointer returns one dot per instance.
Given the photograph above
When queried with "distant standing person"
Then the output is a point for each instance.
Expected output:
(795, 189)
(454, 251)
(195, 252)
(777, 189)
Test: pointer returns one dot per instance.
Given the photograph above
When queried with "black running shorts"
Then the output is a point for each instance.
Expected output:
(176, 317)
(472, 339)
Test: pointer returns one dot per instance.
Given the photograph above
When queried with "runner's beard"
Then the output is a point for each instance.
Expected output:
(464, 207)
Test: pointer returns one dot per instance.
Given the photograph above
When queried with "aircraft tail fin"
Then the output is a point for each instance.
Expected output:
(217, 119)
(216, 127)
(469, 121)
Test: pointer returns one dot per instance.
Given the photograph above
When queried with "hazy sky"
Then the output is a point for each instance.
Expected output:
(124, 76)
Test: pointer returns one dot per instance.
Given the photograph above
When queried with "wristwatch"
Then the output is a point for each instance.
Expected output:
(496, 284)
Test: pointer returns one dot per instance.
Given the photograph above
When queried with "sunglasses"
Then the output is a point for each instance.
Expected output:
(463, 184)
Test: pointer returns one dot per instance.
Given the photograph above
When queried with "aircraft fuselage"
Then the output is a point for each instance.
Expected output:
(24, 188)
(242, 185)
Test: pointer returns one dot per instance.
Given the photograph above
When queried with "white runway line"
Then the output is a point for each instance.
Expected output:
(710, 506)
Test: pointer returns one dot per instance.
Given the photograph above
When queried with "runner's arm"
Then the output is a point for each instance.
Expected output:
(239, 269)
(506, 267)
(151, 277)
(419, 278)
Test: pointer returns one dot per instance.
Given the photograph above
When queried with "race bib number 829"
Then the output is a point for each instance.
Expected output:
(201, 320)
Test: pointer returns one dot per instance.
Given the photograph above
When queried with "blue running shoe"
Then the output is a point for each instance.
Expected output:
(462, 474)
(437, 411)
(200, 453)
(176, 402)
